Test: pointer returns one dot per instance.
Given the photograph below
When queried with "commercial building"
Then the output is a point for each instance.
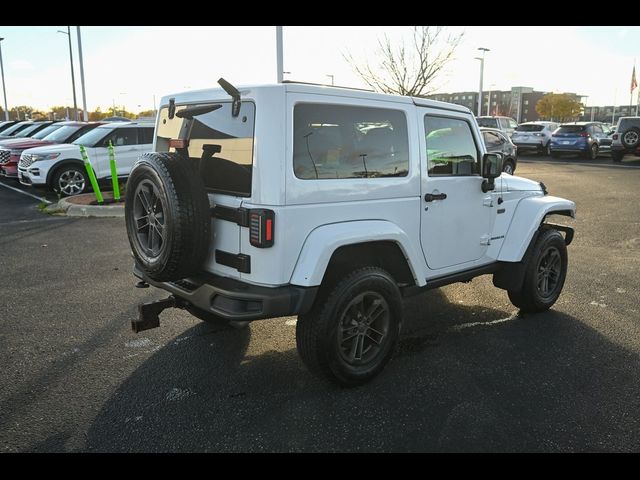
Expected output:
(518, 103)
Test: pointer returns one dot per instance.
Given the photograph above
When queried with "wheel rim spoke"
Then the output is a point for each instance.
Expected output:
(149, 218)
(363, 328)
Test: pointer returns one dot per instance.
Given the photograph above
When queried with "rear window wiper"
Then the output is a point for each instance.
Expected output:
(194, 111)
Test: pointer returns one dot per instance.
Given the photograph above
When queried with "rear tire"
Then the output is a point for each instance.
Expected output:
(167, 216)
(592, 152)
(617, 156)
(545, 274)
(352, 331)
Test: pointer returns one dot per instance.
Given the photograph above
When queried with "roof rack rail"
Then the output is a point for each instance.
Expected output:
(332, 86)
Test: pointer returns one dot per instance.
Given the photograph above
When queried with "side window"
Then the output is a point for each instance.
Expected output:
(451, 149)
(337, 141)
(122, 136)
(145, 135)
(512, 123)
(491, 140)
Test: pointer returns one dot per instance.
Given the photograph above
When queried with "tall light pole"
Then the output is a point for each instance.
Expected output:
(328, 75)
(4, 90)
(85, 114)
(73, 77)
(484, 50)
(279, 56)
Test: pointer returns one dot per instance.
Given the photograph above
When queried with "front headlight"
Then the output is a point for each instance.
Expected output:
(46, 156)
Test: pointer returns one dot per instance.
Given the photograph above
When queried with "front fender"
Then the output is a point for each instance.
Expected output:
(527, 218)
(323, 241)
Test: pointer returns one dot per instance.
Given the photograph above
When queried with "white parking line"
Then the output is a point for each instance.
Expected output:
(457, 328)
(26, 193)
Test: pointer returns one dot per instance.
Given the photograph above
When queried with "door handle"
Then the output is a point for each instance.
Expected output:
(430, 197)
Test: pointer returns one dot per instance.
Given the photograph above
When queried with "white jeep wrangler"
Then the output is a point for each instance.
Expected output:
(331, 204)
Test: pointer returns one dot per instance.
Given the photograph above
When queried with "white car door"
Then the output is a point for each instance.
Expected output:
(125, 147)
(457, 217)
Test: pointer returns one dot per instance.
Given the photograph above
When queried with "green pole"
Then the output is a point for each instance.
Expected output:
(92, 176)
(114, 173)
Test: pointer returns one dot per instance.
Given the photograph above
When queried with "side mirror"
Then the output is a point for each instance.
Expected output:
(491, 168)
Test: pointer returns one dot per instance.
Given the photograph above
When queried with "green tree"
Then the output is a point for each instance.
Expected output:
(558, 106)
(147, 113)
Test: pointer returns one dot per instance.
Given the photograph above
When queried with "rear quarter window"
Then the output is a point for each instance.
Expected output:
(341, 142)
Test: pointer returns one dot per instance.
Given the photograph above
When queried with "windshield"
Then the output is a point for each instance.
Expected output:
(571, 129)
(530, 128)
(16, 128)
(27, 131)
(46, 131)
(62, 134)
(488, 122)
(92, 137)
(228, 165)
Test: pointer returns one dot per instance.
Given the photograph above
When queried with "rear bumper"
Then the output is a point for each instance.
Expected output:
(569, 148)
(235, 300)
(523, 145)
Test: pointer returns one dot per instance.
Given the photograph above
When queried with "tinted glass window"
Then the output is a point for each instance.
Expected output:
(121, 137)
(92, 137)
(224, 142)
(571, 129)
(145, 135)
(16, 127)
(512, 123)
(492, 140)
(451, 149)
(35, 127)
(46, 131)
(530, 128)
(335, 141)
(488, 122)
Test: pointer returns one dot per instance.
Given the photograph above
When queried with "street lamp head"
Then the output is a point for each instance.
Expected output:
(1, 38)
(484, 49)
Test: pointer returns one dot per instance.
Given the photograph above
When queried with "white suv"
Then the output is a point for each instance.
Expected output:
(331, 204)
(534, 135)
(60, 167)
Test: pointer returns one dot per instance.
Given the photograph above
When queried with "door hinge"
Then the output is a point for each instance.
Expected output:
(485, 240)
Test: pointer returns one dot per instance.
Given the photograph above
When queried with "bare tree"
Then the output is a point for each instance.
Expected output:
(409, 70)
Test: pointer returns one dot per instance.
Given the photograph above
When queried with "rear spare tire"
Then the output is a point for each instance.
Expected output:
(167, 216)
(631, 137)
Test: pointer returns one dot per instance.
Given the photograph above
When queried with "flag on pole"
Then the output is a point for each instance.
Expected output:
(634, 83)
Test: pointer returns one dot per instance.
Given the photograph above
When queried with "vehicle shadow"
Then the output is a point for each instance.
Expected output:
(504, 382)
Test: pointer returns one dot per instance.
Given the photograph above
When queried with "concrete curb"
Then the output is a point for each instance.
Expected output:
(64, 207)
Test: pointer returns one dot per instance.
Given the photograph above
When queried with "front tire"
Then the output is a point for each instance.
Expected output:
(592, 152)
(352, 331)
(509, 167)
(545, 274)
(70, 179)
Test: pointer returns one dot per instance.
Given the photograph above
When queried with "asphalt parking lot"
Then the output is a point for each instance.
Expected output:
(470, 374)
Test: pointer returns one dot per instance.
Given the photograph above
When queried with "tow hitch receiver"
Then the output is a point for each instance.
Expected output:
(148, 314)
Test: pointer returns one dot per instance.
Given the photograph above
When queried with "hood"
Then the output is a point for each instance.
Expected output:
(56, 148)
(22, 143)
(519, 184)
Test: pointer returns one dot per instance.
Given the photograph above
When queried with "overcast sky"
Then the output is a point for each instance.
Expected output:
(129, 65)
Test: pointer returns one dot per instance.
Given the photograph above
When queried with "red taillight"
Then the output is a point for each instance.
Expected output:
(583, 134)
(178, 143)
(261, 228)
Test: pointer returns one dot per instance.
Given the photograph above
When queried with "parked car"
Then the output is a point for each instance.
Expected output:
(331, 204)
(534, 135)
(583, 138)
(626, 140)
(14, 129)
(29, 130)
(498, 142)
(60, 167)
(62, 132)
(6, 124)
(506, 125)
